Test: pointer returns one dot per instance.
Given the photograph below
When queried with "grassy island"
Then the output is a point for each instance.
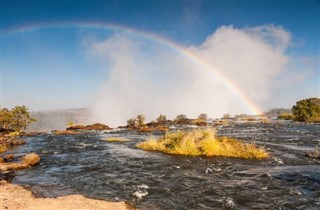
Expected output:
(203, 142)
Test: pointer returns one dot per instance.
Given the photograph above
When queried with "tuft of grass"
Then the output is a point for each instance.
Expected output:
(203, 142)
(116, 139)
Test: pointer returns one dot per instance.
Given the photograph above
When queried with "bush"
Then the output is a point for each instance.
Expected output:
(307, 110)
(203, 142)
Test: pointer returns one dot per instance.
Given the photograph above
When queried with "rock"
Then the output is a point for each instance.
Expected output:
(31, 159)
(32, 133)
(8, 157)
(27, 161)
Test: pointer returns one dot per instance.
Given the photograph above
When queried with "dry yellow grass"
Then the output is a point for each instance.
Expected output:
(116, 139)
(203, 142)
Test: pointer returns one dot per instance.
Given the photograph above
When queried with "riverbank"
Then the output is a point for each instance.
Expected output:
(16, 197)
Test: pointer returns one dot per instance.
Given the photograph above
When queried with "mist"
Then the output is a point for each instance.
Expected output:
(147, 77)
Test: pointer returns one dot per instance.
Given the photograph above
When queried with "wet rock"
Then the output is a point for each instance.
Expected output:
(27, 161)
(32, 133)
(31, 159)
(6, 158)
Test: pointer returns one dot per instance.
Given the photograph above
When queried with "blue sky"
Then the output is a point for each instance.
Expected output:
(53, 68)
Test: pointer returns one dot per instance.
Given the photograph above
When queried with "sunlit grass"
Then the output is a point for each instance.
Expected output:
(116, 139)
(203, 142)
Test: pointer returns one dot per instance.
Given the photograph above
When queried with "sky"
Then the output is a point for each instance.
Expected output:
(123, 58)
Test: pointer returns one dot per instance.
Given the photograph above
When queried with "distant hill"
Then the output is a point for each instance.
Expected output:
(58, 119)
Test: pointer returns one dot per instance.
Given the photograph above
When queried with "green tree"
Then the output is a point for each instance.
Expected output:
(18, 118)
(307, 110)
(162, 119)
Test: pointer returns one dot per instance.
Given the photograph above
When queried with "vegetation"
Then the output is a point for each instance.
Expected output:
(203, 117)
(226, 116)
(276, 112)
(117, 139)
(141, 120)
(18, 118)
(307, 110)
(137, 122)
(286, 116)
(181, 117)
(162, 119)
(203, 142)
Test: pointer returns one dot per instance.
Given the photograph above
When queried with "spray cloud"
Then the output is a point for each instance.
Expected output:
(146, 77)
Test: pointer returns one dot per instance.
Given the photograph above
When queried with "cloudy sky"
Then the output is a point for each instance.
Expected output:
(123, 58)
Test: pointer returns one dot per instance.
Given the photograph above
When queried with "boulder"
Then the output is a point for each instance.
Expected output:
(31, 159)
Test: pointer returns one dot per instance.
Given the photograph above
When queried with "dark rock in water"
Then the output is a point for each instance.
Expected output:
(96, 126)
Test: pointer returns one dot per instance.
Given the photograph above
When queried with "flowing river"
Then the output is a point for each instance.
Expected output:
(87, 164)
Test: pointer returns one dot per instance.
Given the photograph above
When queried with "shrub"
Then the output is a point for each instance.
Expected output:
(307, 110)
(203, 142)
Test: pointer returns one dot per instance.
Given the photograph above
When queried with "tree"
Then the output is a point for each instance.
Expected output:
(5, 118)
(132, 122)
(18, 118)
(141, 120)
(203, 117)
(181, 117)
(162, 119)
(307, 110)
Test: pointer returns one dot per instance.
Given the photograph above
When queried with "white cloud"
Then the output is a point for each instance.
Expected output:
(149, 78)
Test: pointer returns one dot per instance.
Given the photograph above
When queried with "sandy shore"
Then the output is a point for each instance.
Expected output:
(14, 197)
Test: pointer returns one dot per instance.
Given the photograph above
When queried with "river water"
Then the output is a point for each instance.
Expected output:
(89, 165)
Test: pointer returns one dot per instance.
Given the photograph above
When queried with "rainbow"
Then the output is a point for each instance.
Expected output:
(234, 88)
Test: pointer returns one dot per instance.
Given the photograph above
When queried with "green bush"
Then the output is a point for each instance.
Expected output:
(307, 110)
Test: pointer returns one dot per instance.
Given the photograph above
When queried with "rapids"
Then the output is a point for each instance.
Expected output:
(89, 165)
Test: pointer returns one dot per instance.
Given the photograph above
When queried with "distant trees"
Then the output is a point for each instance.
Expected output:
(181, 117)
(18, 118)
(226, 116)
(203, 117)
(137, 122)
(307, 110)
(276, 112)
(162, 119)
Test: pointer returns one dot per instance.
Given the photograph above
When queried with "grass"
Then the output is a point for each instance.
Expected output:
(203, 143)
(116, 139)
